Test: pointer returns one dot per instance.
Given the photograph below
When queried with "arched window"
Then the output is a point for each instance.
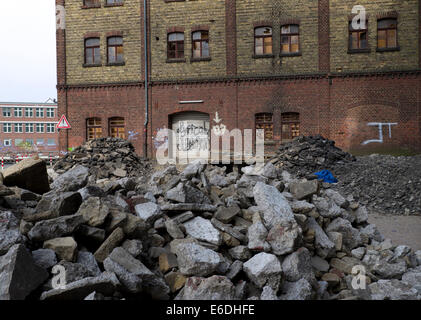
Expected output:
(290, 37)
(264, 121)
(93, 128)
(175, 47)
(263, 40)
(387, 33)
(117, 129)
(200, 41)
(290, 122)
(115, 50)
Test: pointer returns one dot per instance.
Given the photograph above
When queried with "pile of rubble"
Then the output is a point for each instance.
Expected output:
(105, 158)
(386, 184)
(202, 233)
(305, 155)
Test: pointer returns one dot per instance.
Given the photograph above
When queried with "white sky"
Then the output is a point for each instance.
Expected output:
(27, 50)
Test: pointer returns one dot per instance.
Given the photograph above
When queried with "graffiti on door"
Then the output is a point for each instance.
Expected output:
(192, 137)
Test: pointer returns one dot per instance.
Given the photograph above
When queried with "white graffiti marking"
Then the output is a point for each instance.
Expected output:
(359, 21)
(219, 129)
(380, 125)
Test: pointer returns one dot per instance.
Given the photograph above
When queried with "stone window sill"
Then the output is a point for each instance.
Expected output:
(92, 6)
(200, 59)
(365, 50)
(114, 5)
(388, 49)
(292, 54)
(263, 56)
(115, 64)
(88, 65)
(176, 60)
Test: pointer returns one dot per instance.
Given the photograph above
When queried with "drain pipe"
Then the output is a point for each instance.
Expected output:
(145, 34)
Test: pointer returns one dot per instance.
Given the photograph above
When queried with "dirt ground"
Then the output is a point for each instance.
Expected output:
(402, 230)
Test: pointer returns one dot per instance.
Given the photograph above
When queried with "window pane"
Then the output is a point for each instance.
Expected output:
(205, 49)
(387, 23)
(205, 35)
(354, 40)
(115, 40)
(363, 40)
(196, 35)
(268, 45)
(89, 58)
(285, 48)
(294, 28)
(92, 42)
(176, 36)
(111, 55)
(263, 31)
(381, 39)
(259, 48)
(284, 39)
(391, 38)
(97, 55)
(294, 47)
(196, 49)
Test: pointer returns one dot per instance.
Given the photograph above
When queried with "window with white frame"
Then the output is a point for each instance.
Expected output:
(39, 112)
(18, 112)
(40, 128)
(29, 127)
(7, 127)
(50, 112)
(51, 142)
(29, 112)
(7, 142)
(40, 142)
(50, 128)
(7, 112)
(18, 127)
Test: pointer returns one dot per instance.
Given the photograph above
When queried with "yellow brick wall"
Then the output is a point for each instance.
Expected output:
(252, 11)
(124, 18)
(406, 58)
(187, 15)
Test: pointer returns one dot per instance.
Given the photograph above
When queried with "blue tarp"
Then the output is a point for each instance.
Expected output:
(326, 176)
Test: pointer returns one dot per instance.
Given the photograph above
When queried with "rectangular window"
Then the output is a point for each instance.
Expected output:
(290, 39)
(18, 112)
(387, 33)
(114, 2)
(263, 41)
(357, 38)
(40, 127)
(29, 127)
(92, 3)
(290, 123)
(115, 50)
(7, 143)
(93, 128)
(50, 112)
(39, 112)
(7, 127)
(18, 142)
(175, 45)
(30, 141)
(18, 127)
(50, 127)
(200, 44)
(92, 51)
(29, 112)
(40, 142)
(7, 112)
(116, 126)
(51, 142)
(265, 121)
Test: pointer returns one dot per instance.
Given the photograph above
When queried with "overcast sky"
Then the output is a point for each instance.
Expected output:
(27, 50)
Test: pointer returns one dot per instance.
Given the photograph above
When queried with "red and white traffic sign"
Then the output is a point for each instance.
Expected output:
(63, 123)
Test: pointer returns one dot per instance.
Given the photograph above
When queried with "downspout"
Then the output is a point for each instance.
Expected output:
(145, 35)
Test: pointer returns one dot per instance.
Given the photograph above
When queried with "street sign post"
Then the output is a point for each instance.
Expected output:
(63, 123)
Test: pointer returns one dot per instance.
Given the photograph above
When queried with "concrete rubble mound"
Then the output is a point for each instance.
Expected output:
(105, 158)
(205, 232)
(306, 154)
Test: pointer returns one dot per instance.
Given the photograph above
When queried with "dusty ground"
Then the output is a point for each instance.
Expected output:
(400, 229)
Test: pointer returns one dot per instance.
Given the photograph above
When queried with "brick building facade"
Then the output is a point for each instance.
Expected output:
(27, 128)
(289, 67)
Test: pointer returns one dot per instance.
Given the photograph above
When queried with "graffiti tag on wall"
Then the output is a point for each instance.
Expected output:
(219, 129)
(380, 125)
(192, 137)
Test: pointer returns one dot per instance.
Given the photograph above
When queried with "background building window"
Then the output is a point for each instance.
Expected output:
(91, 3)
(29, 112)
(115, 50)
(200, 44)
(18, 142)
(7, 142)
(18, 112)
(29, 127)
(7, 112)
(51, 142)
(40, 142)
(50, 112)
(175, 45)
(111, 2)
(7, 127)
(39, 112)
(117, 129)
(30, 141)
(18, 127)
(290, 37)
(50, 127)
(92, 51)
(93, 128)
(40, 127)
(290, 123)
(357, 37)
(263, 40)
(265, 121)
(387, 33)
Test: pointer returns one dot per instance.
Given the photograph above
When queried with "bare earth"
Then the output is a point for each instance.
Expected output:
(402, 230)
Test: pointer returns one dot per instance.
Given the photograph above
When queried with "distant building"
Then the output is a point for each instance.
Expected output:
(28, 128)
